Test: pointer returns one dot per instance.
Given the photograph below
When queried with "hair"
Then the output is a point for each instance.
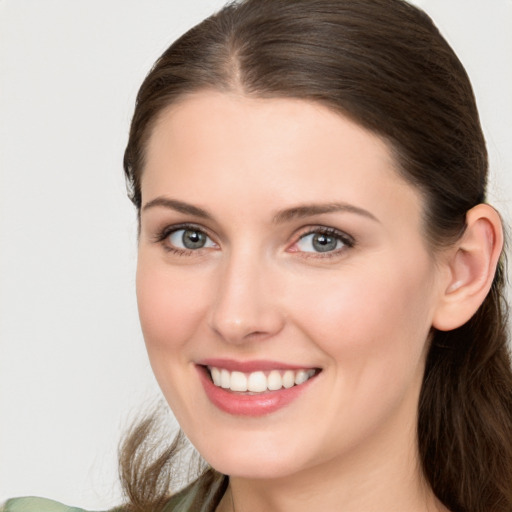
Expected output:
(384, 65)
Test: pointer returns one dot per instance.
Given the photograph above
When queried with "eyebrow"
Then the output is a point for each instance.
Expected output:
(308, 210)
(178, 206)
(296, 212)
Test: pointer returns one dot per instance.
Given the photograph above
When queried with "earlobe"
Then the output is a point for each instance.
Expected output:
(471, 267)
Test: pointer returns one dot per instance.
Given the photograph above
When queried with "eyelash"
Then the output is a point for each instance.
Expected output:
(347, 240)
(167, 231)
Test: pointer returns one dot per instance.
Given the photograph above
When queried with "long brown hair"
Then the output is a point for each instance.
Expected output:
(384, 64)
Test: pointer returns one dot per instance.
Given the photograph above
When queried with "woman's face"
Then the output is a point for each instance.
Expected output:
(279, 245)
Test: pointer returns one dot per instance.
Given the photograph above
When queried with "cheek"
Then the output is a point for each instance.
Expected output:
(373, 329)
(170, 305)
(377, 319)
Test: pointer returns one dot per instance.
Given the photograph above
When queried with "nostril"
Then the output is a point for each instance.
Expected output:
(238, 334)
(237, 330)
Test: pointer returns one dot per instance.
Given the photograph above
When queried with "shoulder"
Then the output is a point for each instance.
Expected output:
(203, 495)
(31, 504)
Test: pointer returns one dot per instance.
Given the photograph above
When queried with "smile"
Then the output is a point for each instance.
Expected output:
(259, 381)
(254, 388)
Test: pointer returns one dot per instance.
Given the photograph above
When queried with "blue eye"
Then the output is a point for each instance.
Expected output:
(189, 239)
(320, 241)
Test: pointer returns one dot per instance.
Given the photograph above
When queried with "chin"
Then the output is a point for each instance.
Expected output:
(254, 459)
(263, 468)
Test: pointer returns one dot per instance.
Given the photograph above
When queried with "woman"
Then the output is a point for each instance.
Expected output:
(319, 278)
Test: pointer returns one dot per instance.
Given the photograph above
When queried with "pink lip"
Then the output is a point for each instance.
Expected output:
(250, 366)
(240, 404)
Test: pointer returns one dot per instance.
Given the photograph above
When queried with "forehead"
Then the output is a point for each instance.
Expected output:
(212, 144)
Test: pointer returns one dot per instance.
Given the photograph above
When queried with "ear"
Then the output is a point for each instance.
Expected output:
(471, 265)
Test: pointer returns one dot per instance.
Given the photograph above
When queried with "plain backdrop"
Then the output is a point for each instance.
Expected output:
(73, 368)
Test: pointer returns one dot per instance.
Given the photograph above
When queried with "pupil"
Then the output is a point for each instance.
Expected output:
(324, 243)
(193, 239)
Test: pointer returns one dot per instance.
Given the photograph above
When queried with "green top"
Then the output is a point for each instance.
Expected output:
(36, 505)
(203, 495)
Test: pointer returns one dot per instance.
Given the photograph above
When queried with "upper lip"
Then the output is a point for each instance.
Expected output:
(233, 365)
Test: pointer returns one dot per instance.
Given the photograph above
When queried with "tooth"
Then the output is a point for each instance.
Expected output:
(301, 376)
(257, 382)
(274, 380)
(225, 379)
(238, 382)
(288, 379)
(215, 373)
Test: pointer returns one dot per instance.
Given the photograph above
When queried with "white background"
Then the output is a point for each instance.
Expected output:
(73, 369)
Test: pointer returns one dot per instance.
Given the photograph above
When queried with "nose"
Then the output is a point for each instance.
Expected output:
(245, 307)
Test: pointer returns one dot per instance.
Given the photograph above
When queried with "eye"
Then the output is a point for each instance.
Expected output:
(189, 239)
(323, 241)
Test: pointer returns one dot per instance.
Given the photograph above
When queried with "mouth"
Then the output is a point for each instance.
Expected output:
(254, 389)
(259, 381)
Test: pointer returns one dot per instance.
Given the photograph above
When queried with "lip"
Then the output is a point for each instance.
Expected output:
(241, 404)
(251, 366)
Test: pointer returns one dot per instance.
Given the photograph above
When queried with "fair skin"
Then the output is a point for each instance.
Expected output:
(347, 292)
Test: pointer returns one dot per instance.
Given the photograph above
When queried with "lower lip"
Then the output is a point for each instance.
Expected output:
(240, 404)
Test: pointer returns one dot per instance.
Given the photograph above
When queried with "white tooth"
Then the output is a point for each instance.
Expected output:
(215, 372)
(238, 381)
(257, 382)
(288, 379)
(225, 379)
(301, 376)
(310, 373)
(274, 380)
